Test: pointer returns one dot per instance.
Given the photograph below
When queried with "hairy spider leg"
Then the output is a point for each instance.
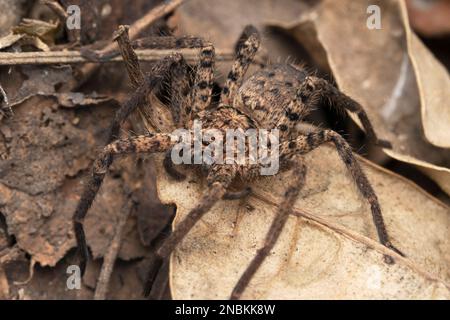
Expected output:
(93, 184)
(306, 143)
(140, 144)
(246, 48)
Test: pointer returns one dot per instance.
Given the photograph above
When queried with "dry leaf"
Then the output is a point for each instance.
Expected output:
(9, 40)
(328, 251)
(43, 82)
(390, 72)
(434, 87)
(11, 13)
(45, 31)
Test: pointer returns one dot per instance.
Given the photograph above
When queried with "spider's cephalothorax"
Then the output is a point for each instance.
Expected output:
(279, 96)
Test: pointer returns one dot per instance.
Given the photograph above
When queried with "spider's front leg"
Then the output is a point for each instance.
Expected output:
(140, 144)
(314, 86)
(138, 98)
(306, 143)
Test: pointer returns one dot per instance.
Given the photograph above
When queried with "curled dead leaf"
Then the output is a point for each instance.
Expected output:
(328, 249)
(433, 81)
(45, 31)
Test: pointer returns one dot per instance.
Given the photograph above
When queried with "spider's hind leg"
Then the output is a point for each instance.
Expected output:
(306, 143)
(325, 90)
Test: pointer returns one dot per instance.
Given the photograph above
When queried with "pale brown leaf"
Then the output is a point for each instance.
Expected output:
(327, 250)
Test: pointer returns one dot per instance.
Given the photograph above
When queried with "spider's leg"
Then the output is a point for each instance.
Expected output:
(204, 80)
(246, 48)
(180, 94)
(306, 143)
(140, 144)
(219, 179)
(337, 99)
(275, 230)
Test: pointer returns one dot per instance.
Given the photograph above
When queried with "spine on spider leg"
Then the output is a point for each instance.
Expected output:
(246, 48)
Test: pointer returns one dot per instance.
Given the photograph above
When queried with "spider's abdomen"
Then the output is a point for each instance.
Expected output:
(270, 97)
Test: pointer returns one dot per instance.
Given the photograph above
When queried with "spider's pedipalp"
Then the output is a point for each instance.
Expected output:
(246, 48)
(306, 143)
(278, 223)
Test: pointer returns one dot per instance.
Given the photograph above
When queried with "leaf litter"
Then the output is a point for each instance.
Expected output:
(330, 238)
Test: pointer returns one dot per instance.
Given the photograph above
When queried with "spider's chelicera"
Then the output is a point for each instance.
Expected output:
(277, 97)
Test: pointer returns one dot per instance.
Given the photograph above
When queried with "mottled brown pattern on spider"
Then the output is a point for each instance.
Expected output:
(279, 96)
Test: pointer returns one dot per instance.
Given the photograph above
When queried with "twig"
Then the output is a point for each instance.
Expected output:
(137, 27)
(71, 57)
(110, 258)
(30, 274)
(153, 15)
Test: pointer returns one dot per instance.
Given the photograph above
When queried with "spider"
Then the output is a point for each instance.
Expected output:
(277, 96)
